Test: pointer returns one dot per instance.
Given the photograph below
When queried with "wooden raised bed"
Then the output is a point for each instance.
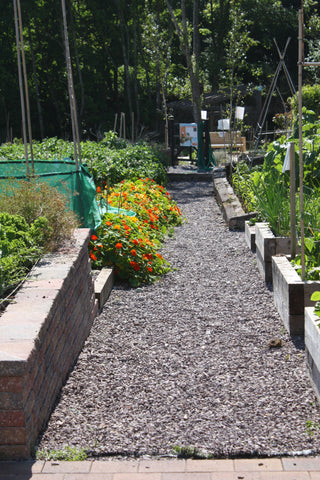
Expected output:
(291, 295)
(312, 348)
(267, 245)
(232, 210)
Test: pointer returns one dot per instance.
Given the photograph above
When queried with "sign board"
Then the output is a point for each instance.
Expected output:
(188, 133)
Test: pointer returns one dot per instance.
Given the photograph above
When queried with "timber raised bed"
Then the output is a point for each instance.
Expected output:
(291, 295)
(232, 210)
(312, 347)
(267, 245)
(41, 335)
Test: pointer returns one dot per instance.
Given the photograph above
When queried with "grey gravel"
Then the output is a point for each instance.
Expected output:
(189, 359)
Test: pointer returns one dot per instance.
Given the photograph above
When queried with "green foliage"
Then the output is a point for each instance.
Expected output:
(130, 243)
(312, 258)
(310, 99)
(32, 199)
(21, 245)
(112, 158)
(67, 453)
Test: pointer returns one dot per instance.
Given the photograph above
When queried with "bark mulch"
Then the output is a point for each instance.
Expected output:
(189, 360)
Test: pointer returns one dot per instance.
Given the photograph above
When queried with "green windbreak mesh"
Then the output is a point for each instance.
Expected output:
(77, 186)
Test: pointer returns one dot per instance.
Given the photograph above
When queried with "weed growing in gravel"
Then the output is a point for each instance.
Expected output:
(190, 451)
(67, 453)
(311, 427)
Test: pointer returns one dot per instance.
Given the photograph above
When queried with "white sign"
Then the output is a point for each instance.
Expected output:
(188, 133)
(239, 113)
(224, 124)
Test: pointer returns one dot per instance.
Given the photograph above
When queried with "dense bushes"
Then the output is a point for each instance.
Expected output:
(111, 160)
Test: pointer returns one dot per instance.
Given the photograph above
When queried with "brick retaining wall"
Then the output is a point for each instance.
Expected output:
(41, 335)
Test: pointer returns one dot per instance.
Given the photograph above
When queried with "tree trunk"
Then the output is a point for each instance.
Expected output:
(185, 45)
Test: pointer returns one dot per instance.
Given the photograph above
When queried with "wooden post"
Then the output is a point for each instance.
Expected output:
(293, 200)
(23, 112)
(121, 120)
(124, 125)
(24, 67)
(73, 110)
(115, 123)
(300, 64)
(132, 127)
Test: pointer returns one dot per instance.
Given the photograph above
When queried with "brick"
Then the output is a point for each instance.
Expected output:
(11, 418)
(301, 464)
(115, 466)
(11, 384)
(15, 452)
(209, 466)
(247, 465)
(10, 401)
(12, 435)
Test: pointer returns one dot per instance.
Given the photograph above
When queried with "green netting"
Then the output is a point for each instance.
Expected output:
(77, 185)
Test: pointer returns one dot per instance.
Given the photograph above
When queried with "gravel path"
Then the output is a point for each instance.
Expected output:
(186, 361)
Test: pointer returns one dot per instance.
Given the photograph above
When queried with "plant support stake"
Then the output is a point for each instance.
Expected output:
(300, 64)
(293, 199)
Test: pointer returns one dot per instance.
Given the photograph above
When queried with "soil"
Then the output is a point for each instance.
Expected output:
(199, 358)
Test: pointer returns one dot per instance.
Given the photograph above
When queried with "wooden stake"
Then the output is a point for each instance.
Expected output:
(301, 143)
(293, 200)
(132, 127)
(23, 112)
(115, 123)
(24, 67)
(73, 108)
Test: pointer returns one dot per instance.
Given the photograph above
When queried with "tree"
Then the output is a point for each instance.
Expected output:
(190, 51)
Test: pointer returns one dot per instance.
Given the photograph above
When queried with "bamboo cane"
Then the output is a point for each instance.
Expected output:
(23, 112)
(300, 143)
(24, 67)
(293, 200)
(73, 112)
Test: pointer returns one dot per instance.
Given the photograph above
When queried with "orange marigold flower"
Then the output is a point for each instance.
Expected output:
(133, 252)
(109, 224)
(150, 269)
(98, 189)
(117, 227)
(119, 245)
(132, 263)
(94, 237)
(92, 256)
(135, 241)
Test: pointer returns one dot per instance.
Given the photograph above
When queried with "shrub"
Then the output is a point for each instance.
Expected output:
(32, 199)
